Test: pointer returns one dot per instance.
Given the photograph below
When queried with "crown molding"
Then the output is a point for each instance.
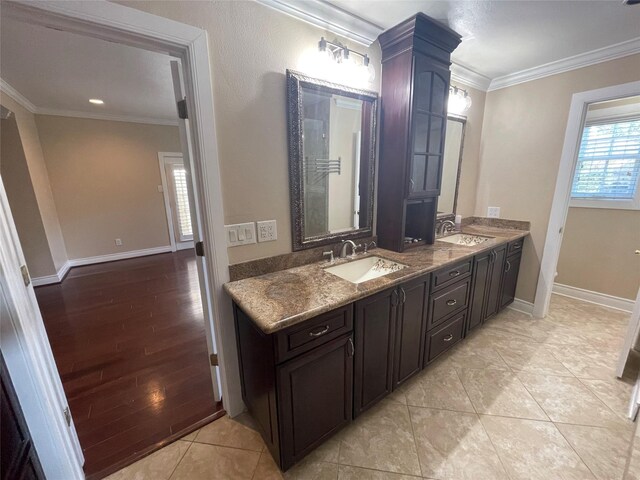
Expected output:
(322, 14)
(462, 74)
(619, 50)
(24, 101)
(106, 116)
(17, 96)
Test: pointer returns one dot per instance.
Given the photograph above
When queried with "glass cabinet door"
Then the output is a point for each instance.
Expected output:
(429, 121)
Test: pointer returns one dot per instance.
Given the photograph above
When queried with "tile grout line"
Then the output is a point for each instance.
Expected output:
(574, 450)
(415, 442)
(179, 461)
(632, 444)
(502, 462)
(596, 396)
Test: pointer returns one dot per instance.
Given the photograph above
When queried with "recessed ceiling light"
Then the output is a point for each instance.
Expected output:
(96, 101)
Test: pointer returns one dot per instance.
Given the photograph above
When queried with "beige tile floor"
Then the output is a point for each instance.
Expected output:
(519, 399)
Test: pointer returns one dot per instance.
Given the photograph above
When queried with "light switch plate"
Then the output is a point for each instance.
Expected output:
(493, 212)
(267, 231)
(240, 234)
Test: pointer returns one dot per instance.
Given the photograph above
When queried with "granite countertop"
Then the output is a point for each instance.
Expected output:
(280, 299)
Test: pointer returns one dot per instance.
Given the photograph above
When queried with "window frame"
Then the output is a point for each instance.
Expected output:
(606, 203)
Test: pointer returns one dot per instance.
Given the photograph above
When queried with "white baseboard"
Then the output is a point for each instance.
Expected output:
(77, 262)
(51, 279)
(112, 257)
(184, 245)
(602, 299)
(46, 280)
(522, 306)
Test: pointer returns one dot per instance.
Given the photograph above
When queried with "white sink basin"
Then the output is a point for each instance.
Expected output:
(358, 271)
(465, 239)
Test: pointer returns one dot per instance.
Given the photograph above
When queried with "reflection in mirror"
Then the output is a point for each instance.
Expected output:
(331, 138)
(453, 142)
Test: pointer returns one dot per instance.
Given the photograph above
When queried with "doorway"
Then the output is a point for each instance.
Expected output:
(200, 230)
(176, 200)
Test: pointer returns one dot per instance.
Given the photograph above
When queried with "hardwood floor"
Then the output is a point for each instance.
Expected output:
(129, 341)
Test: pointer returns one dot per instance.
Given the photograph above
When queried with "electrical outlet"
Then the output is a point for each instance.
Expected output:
(267, 231)
(240, 234)
(118, 242)
(493, 212)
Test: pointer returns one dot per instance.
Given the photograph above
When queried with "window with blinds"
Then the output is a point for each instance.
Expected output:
(608, 161)
(182, 202)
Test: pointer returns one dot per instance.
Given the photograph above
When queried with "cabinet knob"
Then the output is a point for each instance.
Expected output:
(451, 302)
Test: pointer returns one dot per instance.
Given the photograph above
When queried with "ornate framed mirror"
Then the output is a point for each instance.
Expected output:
(332, 147)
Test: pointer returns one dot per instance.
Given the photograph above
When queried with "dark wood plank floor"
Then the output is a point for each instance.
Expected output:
(129, 342)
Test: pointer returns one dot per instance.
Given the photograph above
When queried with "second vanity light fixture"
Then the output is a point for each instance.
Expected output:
(459, 101)
(344, 59)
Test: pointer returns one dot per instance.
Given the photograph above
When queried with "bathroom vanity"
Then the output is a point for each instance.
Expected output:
(316, 350)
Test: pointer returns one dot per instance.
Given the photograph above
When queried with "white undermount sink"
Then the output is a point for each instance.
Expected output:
(465, 239)
(358, 271)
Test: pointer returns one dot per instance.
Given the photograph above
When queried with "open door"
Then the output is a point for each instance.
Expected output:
(196, 224)
(632, 337)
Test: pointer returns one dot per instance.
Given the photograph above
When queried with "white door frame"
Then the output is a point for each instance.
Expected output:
(560, 207)
(27, 353)
(120, 24)
(165, 158)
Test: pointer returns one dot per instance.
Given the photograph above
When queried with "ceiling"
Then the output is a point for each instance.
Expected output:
(58, 72)
(502, 37)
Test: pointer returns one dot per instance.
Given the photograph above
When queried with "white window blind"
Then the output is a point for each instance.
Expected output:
(182, 202)
(609, 161)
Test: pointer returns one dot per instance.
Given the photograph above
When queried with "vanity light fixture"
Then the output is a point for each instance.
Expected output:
(459, 101)
(344, 60)
(96, 101)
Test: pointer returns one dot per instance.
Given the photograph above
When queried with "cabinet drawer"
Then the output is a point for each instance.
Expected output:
(442, 339)
(450, 275)
(313, 333)
(448, 301)
(515, 246)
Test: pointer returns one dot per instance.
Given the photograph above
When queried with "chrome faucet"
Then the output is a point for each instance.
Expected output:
(446, 226)
(369, 245)
(345, 244)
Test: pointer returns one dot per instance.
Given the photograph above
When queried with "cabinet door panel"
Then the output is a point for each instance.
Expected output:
(410, 329)
(432, 180)
(439, 92)
(495, 281)
(481, 268)
(436, 129)
(315, 397)
(510, 280)
(374, 332)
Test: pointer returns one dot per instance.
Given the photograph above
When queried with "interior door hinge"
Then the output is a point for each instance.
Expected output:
(199, 249)
(67, 416)
(182, 109)
(25, 275)
(213, 359)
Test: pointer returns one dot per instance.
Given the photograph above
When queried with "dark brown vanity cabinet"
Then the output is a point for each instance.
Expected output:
(495, 276)
(510, 279)
(389, 336)
(415, 88)
(298, 383)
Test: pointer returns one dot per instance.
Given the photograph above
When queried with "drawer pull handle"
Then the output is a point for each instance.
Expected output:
(352, 348)
(448, 338)
(319, 332)
(451, 303)
(454, 273)
(517, 246)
